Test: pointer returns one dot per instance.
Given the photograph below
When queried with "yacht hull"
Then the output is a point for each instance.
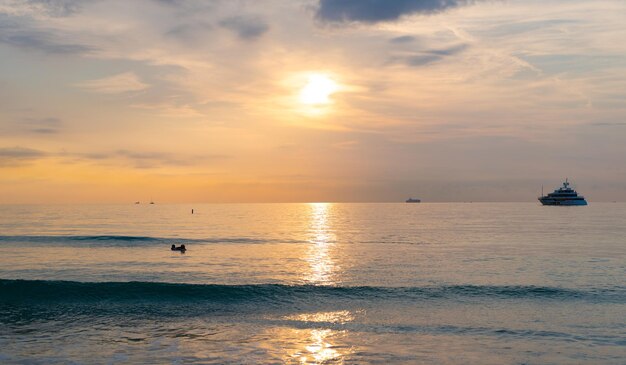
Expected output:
(577, 202)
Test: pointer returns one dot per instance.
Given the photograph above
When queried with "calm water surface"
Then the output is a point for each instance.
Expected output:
(424, 283)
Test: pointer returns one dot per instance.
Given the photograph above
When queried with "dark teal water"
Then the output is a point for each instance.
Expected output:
(313, 283)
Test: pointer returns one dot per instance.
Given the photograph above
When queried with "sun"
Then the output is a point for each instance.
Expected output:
(318, 90)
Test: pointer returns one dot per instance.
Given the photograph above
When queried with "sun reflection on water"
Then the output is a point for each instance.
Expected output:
(322, 268)
(320, 349)
(340, 317)
(319, 345)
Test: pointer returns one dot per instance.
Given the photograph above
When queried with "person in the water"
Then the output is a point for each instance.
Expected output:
(181, 248)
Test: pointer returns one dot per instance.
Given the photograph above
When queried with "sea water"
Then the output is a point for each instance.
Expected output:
(468, 283)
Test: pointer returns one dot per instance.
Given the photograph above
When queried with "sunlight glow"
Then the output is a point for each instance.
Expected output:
(318, 90)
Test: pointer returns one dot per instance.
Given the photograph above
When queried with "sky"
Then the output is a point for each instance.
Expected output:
(221, 101)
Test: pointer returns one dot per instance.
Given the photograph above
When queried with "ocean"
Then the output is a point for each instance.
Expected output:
(323, 283)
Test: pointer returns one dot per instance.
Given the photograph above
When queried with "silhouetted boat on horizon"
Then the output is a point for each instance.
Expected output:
(411, 200)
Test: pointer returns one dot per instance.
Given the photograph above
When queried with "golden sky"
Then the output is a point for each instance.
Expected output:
(310, 100)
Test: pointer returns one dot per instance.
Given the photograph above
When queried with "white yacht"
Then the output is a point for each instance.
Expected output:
(562, 196)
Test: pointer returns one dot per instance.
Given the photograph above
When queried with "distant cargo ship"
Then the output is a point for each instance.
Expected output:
(411, 200)
(563, 196)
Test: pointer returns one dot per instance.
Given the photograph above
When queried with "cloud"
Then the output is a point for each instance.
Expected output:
(140, 159)
(15, 156)
(146, 160)
(57, 8)
(374, 11)
(41, 41)
(48, 125)
(31, 126)
(173, 3)
(403, 39)
(608, 124)
(245, 27)
(121, 83)
(422, 58)
(190, 32)
(43, 8)
(19, 35)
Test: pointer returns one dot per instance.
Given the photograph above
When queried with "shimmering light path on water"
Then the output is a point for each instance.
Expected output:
(314, 283)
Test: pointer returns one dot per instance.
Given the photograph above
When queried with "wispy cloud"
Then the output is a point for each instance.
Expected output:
(139, 159)
(21, 34)
(403, 39)
(120, 83)
(56, 7)
(246, 27)
(31, 126)
(15, 156)
(48, 125)
(424, 57)
(609, 124)
(194, 32)
(136, 159)
(51, 8)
